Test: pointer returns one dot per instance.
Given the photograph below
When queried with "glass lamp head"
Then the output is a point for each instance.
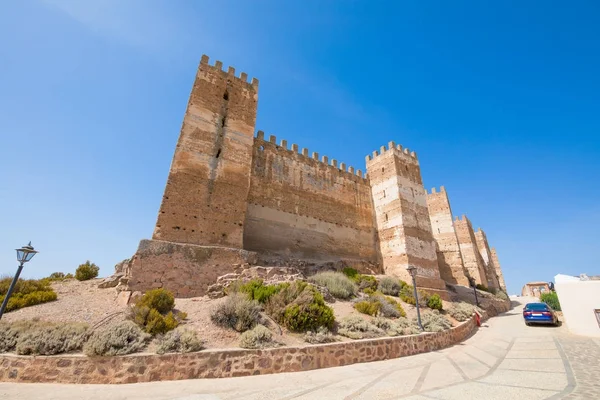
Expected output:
(25, 253)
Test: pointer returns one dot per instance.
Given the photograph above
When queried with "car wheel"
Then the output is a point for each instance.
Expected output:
(527, 323)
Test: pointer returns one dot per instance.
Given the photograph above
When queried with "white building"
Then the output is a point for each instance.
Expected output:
(580, 302)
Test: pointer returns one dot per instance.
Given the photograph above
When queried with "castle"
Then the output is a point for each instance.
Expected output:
(233, 197)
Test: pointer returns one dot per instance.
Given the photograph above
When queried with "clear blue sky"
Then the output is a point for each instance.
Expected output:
(500, 100)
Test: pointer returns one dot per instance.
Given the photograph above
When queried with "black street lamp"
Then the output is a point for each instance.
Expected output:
(412, 270)
(24, 254)
(474, 286)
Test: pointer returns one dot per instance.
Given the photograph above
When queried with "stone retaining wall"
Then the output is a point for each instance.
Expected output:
(221, 363)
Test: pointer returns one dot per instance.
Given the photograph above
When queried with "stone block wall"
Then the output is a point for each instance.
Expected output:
(499, 273)
(308, 207)
(488, 261)
(221, 363)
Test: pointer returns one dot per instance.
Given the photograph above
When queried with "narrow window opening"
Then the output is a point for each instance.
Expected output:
(386, 217)
(383, 169)
(226, 95)
(261, 148)
(384, 193)
(223, 122)
(218, 153)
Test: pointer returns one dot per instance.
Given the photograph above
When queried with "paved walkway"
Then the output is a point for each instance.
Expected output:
(504, 360)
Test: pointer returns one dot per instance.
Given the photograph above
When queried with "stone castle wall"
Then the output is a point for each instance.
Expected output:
(231, 191)
(307, 207)
(488, 261)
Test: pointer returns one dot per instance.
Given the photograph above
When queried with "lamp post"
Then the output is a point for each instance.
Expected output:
(474, 286)
(412, 270)
(24, 254)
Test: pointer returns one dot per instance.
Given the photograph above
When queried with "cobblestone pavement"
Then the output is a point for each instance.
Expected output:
(504, 360)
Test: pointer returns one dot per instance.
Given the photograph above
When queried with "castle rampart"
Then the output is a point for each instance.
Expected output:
(499, 273)
(486, 255)
(468, 248)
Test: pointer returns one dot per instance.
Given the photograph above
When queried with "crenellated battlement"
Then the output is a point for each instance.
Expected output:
(393, 148)
(435, 190)
(230, 71)
(304, 152)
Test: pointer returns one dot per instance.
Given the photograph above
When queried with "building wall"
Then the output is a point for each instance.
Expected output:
(307, 207)
(488, 260)
(450, 263)
(468, 248)
(401, 214)
(535, 289)
(579, 301)
(498, 268)
(205, 197)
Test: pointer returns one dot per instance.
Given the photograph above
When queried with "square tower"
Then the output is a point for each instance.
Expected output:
(486, 255)
(452, 269)
(402, 218)
(468, 248)
(204, 202)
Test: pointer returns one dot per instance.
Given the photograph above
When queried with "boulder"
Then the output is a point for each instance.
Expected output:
(110, 282)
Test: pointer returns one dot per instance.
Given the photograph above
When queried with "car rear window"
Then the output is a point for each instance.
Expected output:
(536, 307)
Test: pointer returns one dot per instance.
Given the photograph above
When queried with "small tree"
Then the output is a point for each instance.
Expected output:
(552, 300)
(86, 271)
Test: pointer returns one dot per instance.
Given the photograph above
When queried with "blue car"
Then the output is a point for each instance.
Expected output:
(539, 313)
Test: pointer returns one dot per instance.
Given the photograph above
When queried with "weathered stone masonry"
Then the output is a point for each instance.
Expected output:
(232, 197)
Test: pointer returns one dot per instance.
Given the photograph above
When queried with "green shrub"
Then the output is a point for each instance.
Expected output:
(350, 272)
(389, 286)
(434, 321)
(366, 282)
(369, 291)
(398, 327)
(338, 284)
(86, 271)
(161, 300)
(551, 299)
(153, 312)
(255, 289)
(300, 307)
(391, 308)
(257, 338)
(57, 276)
(27, 292)
(503, 296)
(236, 312)
(462, 311)
(124, 337)
(321, 335)
(179, 341)
(52, 338)
(435, 302)
(482, 287)
(369, 307)
(407, 295)
(354, 327)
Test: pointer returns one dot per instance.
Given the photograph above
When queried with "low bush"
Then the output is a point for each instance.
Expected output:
(86, 271)
(482, 287)
(321, 335)
(236, 312)
(391, 308)
(122, 338)
(338, 284)
(350, 272)
(52, 338)
(398, 327)
(179, 341)
(354, 327)
(503, 296)
(461, 311)
(161, 300)
(255, 289)
(366, 282)
(407, 295)
(435, 302)
(551, 299)
(433, 321)
(154, 312)
(27, 292)
(300, 307)
(369, 291)
(369, 307)
(389, 286)
(10, 333)
(257, 338)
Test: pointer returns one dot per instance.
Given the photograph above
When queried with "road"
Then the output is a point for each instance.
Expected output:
(504, 360)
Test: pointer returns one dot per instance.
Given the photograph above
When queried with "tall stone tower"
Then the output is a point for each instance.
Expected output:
(486, 255)
(204, 202)
(402, 218)
(452, 269)
(498, 269)
(468, 248)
